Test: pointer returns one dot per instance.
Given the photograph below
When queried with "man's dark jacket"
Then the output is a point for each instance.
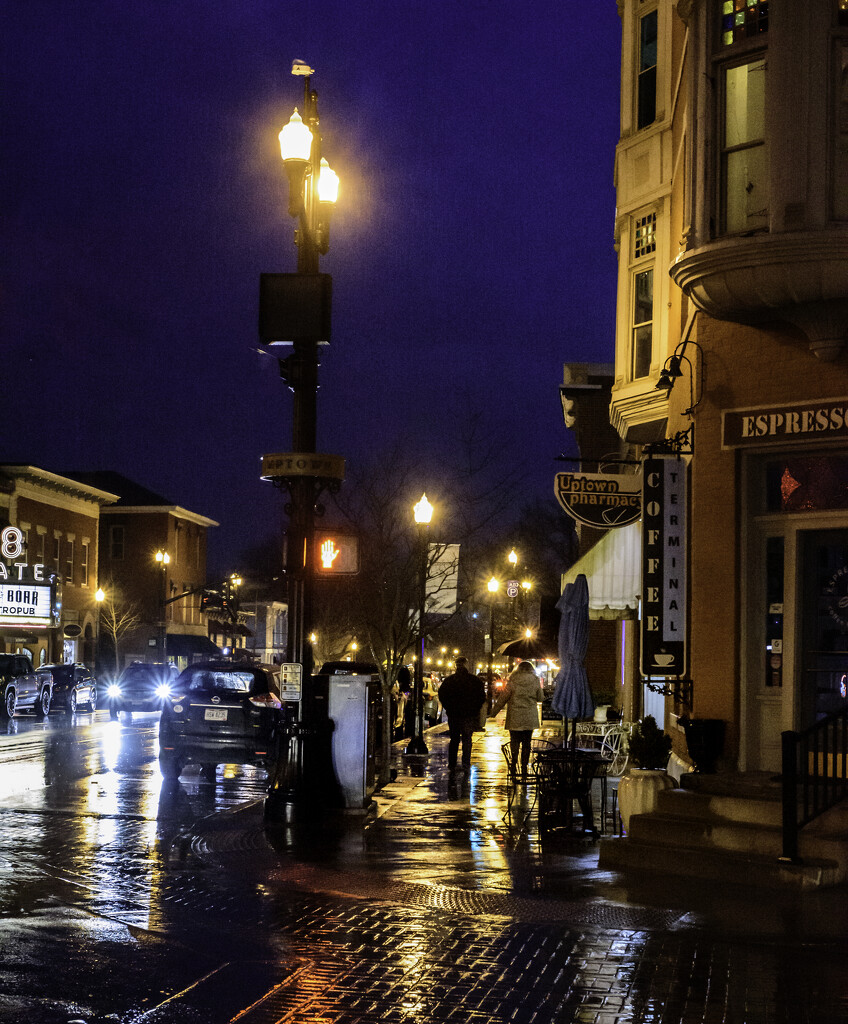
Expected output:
(462, 695)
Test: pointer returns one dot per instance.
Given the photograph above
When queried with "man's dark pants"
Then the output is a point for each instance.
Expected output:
(460, 730)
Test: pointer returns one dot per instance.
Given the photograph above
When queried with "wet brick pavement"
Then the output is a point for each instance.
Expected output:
(442, 909)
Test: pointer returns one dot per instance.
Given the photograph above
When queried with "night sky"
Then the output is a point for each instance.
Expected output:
(143, 194)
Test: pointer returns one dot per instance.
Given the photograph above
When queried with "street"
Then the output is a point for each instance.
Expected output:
(126, 899)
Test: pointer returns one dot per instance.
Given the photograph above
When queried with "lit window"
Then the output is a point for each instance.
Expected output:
(645, 235)
(741, 19)
(744, 167)
(643, 322)
(647, 83)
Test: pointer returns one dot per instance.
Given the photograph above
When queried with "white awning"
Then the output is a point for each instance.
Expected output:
(613, 572)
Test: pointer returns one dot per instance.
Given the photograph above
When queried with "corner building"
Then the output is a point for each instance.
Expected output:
(732, 232)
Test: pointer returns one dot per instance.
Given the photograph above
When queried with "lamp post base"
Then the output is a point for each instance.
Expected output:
(417, 746)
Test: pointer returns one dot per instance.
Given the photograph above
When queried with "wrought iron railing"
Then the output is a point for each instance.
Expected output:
(815, 775)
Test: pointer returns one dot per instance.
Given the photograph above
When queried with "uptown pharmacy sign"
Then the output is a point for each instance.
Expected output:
(26, 598)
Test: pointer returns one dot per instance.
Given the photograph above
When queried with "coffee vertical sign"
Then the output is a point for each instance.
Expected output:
(664, 513)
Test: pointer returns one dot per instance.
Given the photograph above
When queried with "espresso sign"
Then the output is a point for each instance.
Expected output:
(785, 424)
(602, 500)
(664, 566)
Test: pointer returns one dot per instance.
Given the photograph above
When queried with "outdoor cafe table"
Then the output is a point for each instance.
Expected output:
(565, 774)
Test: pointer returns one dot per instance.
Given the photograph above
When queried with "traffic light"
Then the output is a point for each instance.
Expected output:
(336, 554)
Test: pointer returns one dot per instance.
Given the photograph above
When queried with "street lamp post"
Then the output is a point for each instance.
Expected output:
(423, 512)
(163, 559)
(294, 312)
(313, 190)
(493, 587)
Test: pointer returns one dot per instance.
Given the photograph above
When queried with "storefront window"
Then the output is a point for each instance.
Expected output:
(807, 484)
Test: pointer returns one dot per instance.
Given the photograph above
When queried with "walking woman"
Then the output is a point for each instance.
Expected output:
(521, 695)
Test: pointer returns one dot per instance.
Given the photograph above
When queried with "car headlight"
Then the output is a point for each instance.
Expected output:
(113, 691)
(163, 691)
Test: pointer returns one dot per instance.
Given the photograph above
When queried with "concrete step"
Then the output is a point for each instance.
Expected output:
(754, 838)
(713, 864)
(710, 806)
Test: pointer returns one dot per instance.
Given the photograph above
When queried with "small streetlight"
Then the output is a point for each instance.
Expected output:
(493, 587)
(423, 513)
(163, 560)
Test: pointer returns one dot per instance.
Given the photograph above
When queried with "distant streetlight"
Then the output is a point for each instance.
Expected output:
(423, 513)
(493, 587)
(163, 560)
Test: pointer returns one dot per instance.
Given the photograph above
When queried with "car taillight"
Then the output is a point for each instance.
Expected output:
(266, 700)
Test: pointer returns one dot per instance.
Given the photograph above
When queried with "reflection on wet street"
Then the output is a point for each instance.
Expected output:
(127, 898)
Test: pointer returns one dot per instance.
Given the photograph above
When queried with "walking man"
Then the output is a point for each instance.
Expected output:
(462, 695)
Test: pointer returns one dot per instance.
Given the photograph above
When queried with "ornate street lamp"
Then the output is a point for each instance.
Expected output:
(294, 312)
(423, 512)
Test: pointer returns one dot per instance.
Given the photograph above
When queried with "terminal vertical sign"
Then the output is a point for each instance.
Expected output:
(664, 514)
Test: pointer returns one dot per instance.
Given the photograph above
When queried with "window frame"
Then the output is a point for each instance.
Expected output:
(643, 260)
(745, 59)
(646, 78)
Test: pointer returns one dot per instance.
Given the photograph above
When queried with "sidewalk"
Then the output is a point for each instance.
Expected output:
(445, 907)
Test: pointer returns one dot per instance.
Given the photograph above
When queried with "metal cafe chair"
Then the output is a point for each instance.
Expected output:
(536, 746)
(565, 775)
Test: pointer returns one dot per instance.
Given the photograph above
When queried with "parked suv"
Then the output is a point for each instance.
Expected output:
(221, 712)
(142, 686)
(74, 687)
(22, 687)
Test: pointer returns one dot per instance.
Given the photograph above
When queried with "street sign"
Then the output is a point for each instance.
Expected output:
(512, 588)
(291, 677)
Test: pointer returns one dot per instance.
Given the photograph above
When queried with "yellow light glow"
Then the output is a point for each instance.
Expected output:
(163, 557)
(512, 557)
(423, 510)
(526, 585)
(100, 594)
(493, 585)
(328, 183)
(295, 139)
(528, 633)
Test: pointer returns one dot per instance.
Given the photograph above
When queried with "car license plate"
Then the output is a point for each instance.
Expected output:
(216, 715)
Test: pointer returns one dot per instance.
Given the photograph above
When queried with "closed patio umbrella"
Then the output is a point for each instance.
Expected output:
(572, 694)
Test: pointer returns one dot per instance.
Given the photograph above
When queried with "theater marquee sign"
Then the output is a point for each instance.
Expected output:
(801, 422)
(26, 597)
(602, 500)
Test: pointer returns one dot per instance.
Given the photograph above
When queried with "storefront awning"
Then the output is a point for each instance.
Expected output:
(189, 645)
(613, 571)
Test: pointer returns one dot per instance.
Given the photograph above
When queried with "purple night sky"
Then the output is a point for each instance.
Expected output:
(143, 194)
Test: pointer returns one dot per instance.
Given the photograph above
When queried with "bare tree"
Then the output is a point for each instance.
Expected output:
(117, 618)
(380, 605)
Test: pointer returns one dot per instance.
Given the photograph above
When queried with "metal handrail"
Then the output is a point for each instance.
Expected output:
(814, 775)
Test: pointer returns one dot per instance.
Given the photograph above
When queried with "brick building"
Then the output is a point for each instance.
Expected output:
(163, 597)
(57, 520)
(732, 231)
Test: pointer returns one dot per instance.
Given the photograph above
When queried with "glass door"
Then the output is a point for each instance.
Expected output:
(824, 624)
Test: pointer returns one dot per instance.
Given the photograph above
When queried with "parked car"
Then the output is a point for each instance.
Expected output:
(142, 686)
(23, 688)
(74, 687)
(221, 712)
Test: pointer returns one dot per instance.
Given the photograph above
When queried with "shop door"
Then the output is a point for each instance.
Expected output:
(824, 624)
